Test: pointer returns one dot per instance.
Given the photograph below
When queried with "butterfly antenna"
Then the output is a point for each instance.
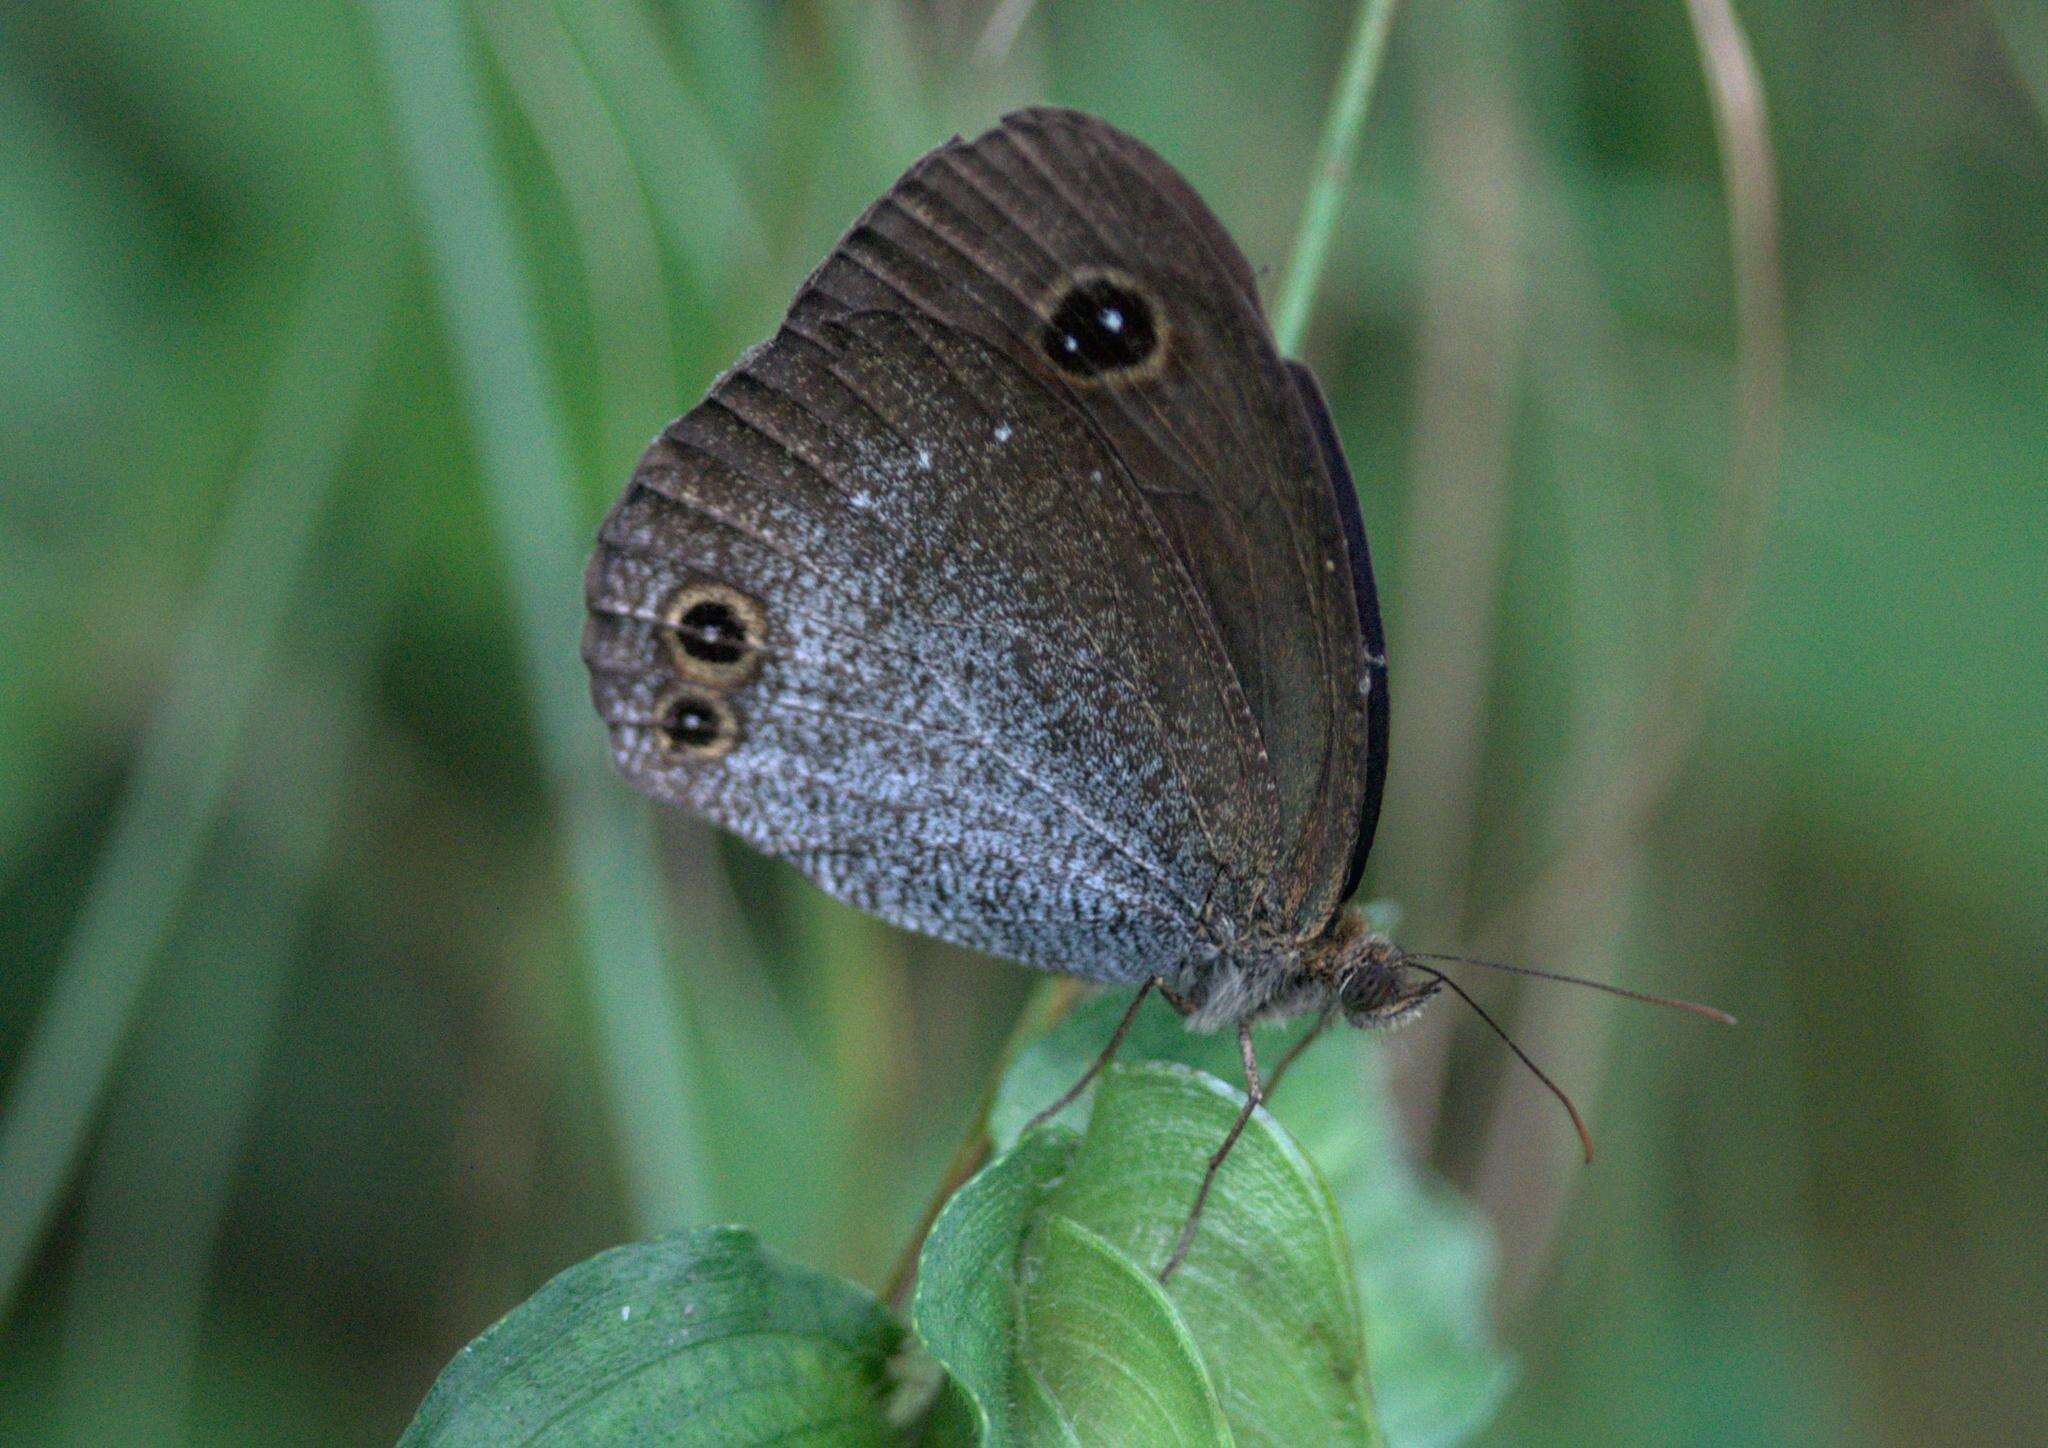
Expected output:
(1578, 1121)
(1695, 1007)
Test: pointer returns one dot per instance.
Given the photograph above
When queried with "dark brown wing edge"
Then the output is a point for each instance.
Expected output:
(1344, 494)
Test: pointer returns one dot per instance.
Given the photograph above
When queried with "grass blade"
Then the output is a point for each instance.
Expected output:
(617, 242)
(2023, 29)
(1342, 131)
(1599, 871)
(487, 301)
(188, 746)
(684, 164)
(159, 1184)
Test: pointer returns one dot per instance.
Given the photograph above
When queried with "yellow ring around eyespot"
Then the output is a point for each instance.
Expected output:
(715, 673)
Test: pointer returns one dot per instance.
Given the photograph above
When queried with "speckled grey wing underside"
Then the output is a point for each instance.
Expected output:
(1218, 437)
(1066, 670)
(989, 707)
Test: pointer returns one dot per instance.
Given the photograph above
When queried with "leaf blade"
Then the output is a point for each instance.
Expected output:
(1423, 1255)
(702, 1336)
(1083, 1299)
(1052, 1334)
(1266, 1289)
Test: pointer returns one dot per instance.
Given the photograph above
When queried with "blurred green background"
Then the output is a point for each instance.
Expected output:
(345, 1001)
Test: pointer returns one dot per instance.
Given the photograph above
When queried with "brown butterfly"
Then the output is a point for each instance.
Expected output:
(1016, 592)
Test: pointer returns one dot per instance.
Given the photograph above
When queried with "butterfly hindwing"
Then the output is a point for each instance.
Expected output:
(967, 716)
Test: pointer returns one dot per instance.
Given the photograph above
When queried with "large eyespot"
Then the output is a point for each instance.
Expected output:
(1103, 326)
(698, 723)
(713, 633)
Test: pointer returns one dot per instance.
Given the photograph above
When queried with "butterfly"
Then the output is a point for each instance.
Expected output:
(1016, 592)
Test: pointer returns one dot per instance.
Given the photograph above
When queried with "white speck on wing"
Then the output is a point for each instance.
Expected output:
(924, 459)
(1002, 432)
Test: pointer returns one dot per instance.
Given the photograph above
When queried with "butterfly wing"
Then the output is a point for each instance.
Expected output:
(1028, 631)
(959, 680)
(1371, 633)
(1023, 237)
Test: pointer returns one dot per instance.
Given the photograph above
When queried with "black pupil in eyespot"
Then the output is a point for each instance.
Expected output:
(692, 723)
(1100, 326)
(712, 631)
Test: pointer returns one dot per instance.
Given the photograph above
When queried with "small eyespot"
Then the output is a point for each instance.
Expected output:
(713, 633)
(1100, 326)
(699, 724)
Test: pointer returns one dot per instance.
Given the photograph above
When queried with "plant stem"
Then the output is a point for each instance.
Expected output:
(1597, 869)
(1671, 718)
(1343, 128)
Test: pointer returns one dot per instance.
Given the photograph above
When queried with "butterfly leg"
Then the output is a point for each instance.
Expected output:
(1116, 1039)
(1253, 1095)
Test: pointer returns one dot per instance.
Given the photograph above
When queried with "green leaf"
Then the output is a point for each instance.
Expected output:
(1423, 1257)
(1039, 1281)
(702, 1337)
(1266, 1290)
(1053, 1334)
(1082, 1381)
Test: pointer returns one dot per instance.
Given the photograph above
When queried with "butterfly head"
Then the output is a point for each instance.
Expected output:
(1375, 984)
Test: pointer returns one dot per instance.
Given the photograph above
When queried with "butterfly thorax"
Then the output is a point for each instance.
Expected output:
(1351, 966)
